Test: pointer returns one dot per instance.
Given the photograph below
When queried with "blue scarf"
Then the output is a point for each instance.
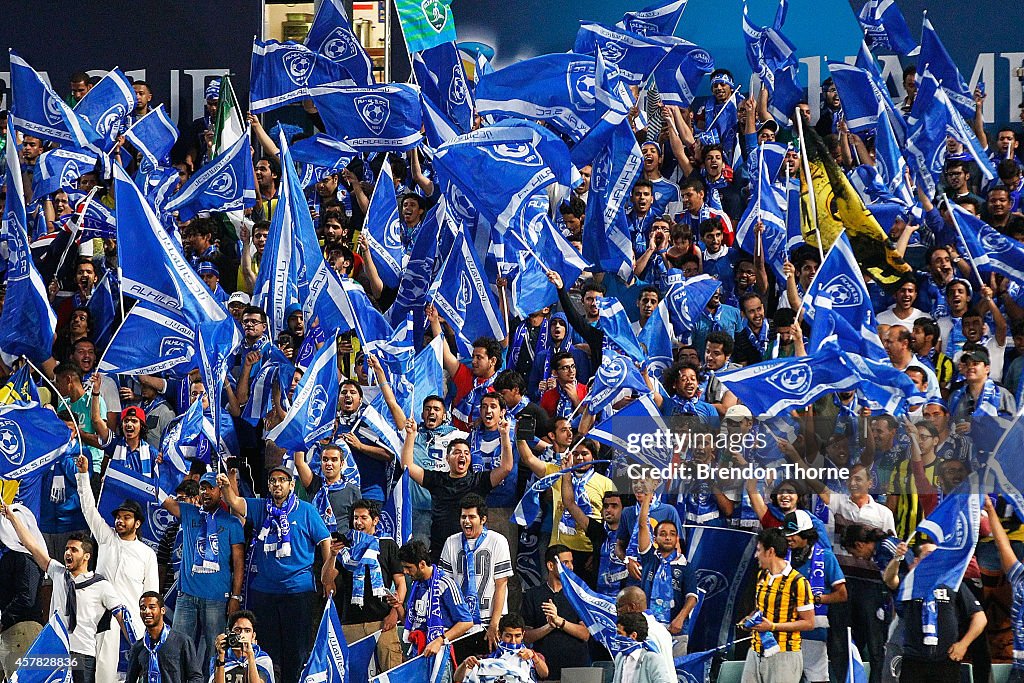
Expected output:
(714, 198)
(758, 341)
(816, 577)
(522, 334)
(633, 549)
(662, 600)
(470, 589)
(986, 404)
(207, 557)
(769, 646)
(611, 570)
(468, 409)
(567, 525)
(699, 504)
(263, 662)
(683, 406)
(956, 336)
(1017, 618)
(153, 671)
(434, 622)
(564, 406)
(363, 556)
(276, 532)
(322, 502)
(138, 460)
(930, 622)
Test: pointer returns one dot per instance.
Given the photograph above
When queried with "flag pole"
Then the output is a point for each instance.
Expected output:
(810, 185)
(534, 255)
(959, 232)
(50, 385)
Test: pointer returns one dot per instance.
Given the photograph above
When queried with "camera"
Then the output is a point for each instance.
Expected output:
(234, 640)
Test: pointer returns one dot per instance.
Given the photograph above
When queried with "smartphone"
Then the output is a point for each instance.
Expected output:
(981, 87)
(526, 428)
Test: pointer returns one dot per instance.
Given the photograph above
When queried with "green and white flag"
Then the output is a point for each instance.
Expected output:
(230, 125)
(426, 23)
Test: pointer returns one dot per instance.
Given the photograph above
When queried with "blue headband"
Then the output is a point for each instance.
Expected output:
(724, 78)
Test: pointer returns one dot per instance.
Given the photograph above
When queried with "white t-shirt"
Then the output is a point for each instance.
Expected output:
(657, 632)
(888, 317)
(995, 355)
(92, 602)
(492, 560)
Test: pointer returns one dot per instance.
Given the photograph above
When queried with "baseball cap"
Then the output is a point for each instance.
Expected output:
(239, 298)
(976, 353)
(738, 412)
(209, 478)
(292, 310)
(770, 123)
(797, 521)
(134, 411)
(280, 468)
(131, 506)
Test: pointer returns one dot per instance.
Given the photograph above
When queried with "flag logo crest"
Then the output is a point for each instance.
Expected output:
(793, 380)
(613, 52)
(375, 111)
(644, 28)
(465, 295)
(172, 346)
(224, 184)
(110, 121)
(17, 267)
(457, 92)
(159, 518)
(393, 235)
(843, 291)
(956, 539)
(317, 406)
(602, 171)
(580, 76)
(69, 173)
(461, 205)
(517, 153)
(711, 582)
(436, 13)
(12, 443)
(702, 59)
(298, 65)
(51, 108)
(994, 244)
(340, 45)
(614, 371)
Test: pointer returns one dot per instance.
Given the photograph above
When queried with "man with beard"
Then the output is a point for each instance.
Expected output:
(753, 338)
(432, 438)
(903, 312)
(161, 654)
(128, 563)
(332, 493)
(931, 286)
(374, 460)
(213, 556)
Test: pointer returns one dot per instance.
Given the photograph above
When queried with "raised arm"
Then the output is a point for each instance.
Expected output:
(266, 142)
(504, 467)
(235, 503)
(526, 456)
(248, 276)
(643, 536)
(370, 267)
(385, 389)
(418, 177)
(451, 363)
(408, 447)
(302, 468)
(1006, 555)
(356, 188)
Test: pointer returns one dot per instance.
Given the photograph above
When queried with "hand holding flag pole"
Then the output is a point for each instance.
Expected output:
(810, 186)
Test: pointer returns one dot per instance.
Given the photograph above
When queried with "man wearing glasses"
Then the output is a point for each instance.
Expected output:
(562, 399)
(958, 180)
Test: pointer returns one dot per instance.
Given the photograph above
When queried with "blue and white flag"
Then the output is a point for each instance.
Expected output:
(885, 28)
(362, 658)
(862, 103)
(954, 527)
(153, 136)
(934, 58)
(634, 55)
(556, 88)
(329, 658)
(660, 19)
(373, 119)
(38, 111)
(855, 672)
(31, 437)
(933, 118)
(696, 667)
(596, 611)
(614, 172)
(828, 325)
(226, 183)
(528, 508)
(61, 168)
(152, 268)
(890, 163)
(443, 81)
(419, 271)
(383, 229)
(615, 375)
(722, 562)
(688, 299)
(437, 127)
(396, 515)
(217, 341)
(103, 309)
(171, 343)
(531, 289)
(288, 72)
(92, 216)
(462, 296)
(679, 74)
(27, 323)
(331, 36)
(311, 414)
(989, 249)
(425, 669)
(320, 156)
(882, 386)
(840, 286)
(50, 645)
(775, 386)
(767, 50)
(376, 417)
(769, 204)
(107, 107)
(624, 431)
(618, 329)
(656, 338)
(121, 483)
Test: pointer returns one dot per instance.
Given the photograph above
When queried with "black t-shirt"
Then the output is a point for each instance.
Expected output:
(560, 649)
(373, 608)
(446, 495)
(954, 610)
(341, 500)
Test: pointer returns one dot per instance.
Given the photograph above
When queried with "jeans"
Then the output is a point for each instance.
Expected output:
(283, 624)
(86, 671)
(200, 620)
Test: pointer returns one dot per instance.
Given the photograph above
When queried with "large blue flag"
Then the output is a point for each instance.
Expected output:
(437, 127)
(396, 515)
(624, 431)
(954, 527)
(618, 329)
(153, 136)
(935, 59)
(885, 28)
(884, 387)
(288, 72)
(50, 645)
(362, 658)
(38, 111)
(321, 155)
(331, 36)
(217, 342)
(171, 344)
(722, 562)
(1007, 462)
(61, 168)
(311, 414)
(152, 268)
(463, 297)
(775, 386)
(989, 249)
(107, 107)
(121, 483)
(371, 119)
(615, 374)
(615, 171)
(227, 183)
(839, 280)
(103, 309)
(419, 271)
(31, 437)
(425, 669)
(933, 118)
(531, 289)
(596, 611)
(634, 55)
(829, 325)
(769, 204)
(656, 338)
(890, 163)
(383, 229)
(443, 81)
(767, 50)
(679, 74)
(687, 300)
(660, 19)
(555, 88)
(328, 660)
(862, 102)
(27, 323)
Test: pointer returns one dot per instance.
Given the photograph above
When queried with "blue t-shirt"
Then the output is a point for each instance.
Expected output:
(215, 585)
(453, 605)
(291, 574)
(682, 579)
(833, 574)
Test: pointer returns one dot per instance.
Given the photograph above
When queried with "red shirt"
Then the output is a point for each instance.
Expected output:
(549, 399)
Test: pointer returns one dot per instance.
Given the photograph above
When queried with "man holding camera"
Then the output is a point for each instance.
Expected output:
(239, 659)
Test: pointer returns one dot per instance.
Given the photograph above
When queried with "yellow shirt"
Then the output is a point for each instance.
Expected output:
(595, 487)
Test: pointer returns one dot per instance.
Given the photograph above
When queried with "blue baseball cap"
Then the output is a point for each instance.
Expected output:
(209, 478)
(208, 268)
